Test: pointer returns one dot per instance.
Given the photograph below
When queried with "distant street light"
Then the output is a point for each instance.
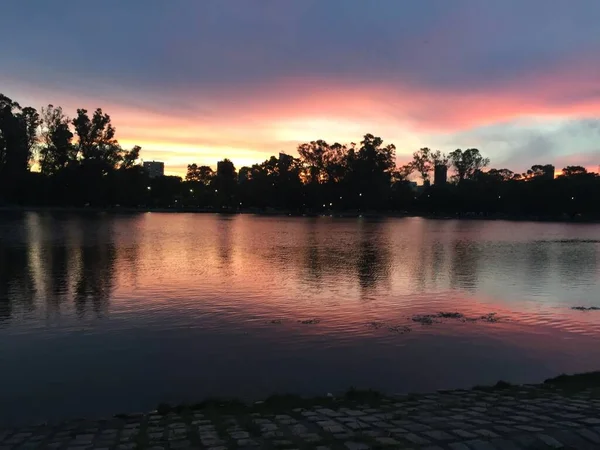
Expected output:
(499, 196)
(216, 190)
(324, 205)
(572, 198)
(331, 204)
(360, 195)
(340, 198)
(149, 188)
(192, 191)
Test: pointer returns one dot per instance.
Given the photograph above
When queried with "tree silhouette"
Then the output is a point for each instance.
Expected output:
(56, 150)
(81, 164)
(467, 163)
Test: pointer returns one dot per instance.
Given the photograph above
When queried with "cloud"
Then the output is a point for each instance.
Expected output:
(188, 78)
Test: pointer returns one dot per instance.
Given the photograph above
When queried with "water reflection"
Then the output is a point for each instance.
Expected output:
(52, 260)
(373, 257)
(177, 290)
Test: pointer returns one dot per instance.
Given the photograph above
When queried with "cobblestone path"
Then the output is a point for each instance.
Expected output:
(527, 417)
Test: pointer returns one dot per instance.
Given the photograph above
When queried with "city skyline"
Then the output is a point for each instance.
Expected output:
(197, 82)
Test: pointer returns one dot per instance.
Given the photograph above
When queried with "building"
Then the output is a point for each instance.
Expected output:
(285, 161)
(154, 169)
(548, 172)
(440, 175)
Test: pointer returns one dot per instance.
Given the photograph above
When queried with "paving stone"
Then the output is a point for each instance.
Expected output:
(589, 435)
(416, 439)
(417, 427)
(504, 444)
(486, 433)
(247, 443)
(328, 412)
(310, 437)
(240, 435)
(458, 446)
(386, 441)
(298, 429)
(478, 444)
(352, 412)
(591, 421)
(356, 425)
(550, 441)
(369, 419)
(343, 436)
(438, 435)
(272, 434)
(528, 428)
(356, 446)
(464, 434)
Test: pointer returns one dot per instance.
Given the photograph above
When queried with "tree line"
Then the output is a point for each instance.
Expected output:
(79, 162)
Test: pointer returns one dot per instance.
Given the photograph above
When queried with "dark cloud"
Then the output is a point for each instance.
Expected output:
(463, 44)
(420, 67)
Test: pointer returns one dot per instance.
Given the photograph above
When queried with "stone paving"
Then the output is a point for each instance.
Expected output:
(527, 417)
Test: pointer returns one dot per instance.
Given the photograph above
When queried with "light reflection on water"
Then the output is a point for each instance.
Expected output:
(102, 313)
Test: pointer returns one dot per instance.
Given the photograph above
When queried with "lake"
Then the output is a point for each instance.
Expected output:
(105, 313)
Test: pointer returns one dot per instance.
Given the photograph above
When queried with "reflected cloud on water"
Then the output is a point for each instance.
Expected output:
(80, 263)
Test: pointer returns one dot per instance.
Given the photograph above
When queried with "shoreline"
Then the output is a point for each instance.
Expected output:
(284, 213)
(559, 413)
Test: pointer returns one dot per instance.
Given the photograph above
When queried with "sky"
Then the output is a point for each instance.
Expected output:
(195, 81)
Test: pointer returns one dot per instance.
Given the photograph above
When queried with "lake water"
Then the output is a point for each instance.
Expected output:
(104, 313)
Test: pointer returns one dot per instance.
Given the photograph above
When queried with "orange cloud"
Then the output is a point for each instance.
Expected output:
(250, 123)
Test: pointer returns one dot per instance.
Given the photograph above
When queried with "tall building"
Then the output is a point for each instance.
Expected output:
(285, 161)
(154, 169)
(440, 175)
(548, 172)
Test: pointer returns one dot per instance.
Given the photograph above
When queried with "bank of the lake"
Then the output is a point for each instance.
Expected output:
(560, 413)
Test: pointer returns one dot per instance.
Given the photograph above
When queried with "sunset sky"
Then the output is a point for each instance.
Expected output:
(200, 80)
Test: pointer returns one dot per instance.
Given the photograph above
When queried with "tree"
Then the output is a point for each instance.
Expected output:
(199, 174)
(96, 136)
(371, 170)
(501, 175)
(574, 171)
(312, 156)
(439, 159)
(129, 158)
(467, 163)
(225, 182)
(540, 171)
(18, 134)
(56, 149)
(422, 163)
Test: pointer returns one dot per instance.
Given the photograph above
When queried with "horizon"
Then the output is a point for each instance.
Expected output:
(196, 83)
